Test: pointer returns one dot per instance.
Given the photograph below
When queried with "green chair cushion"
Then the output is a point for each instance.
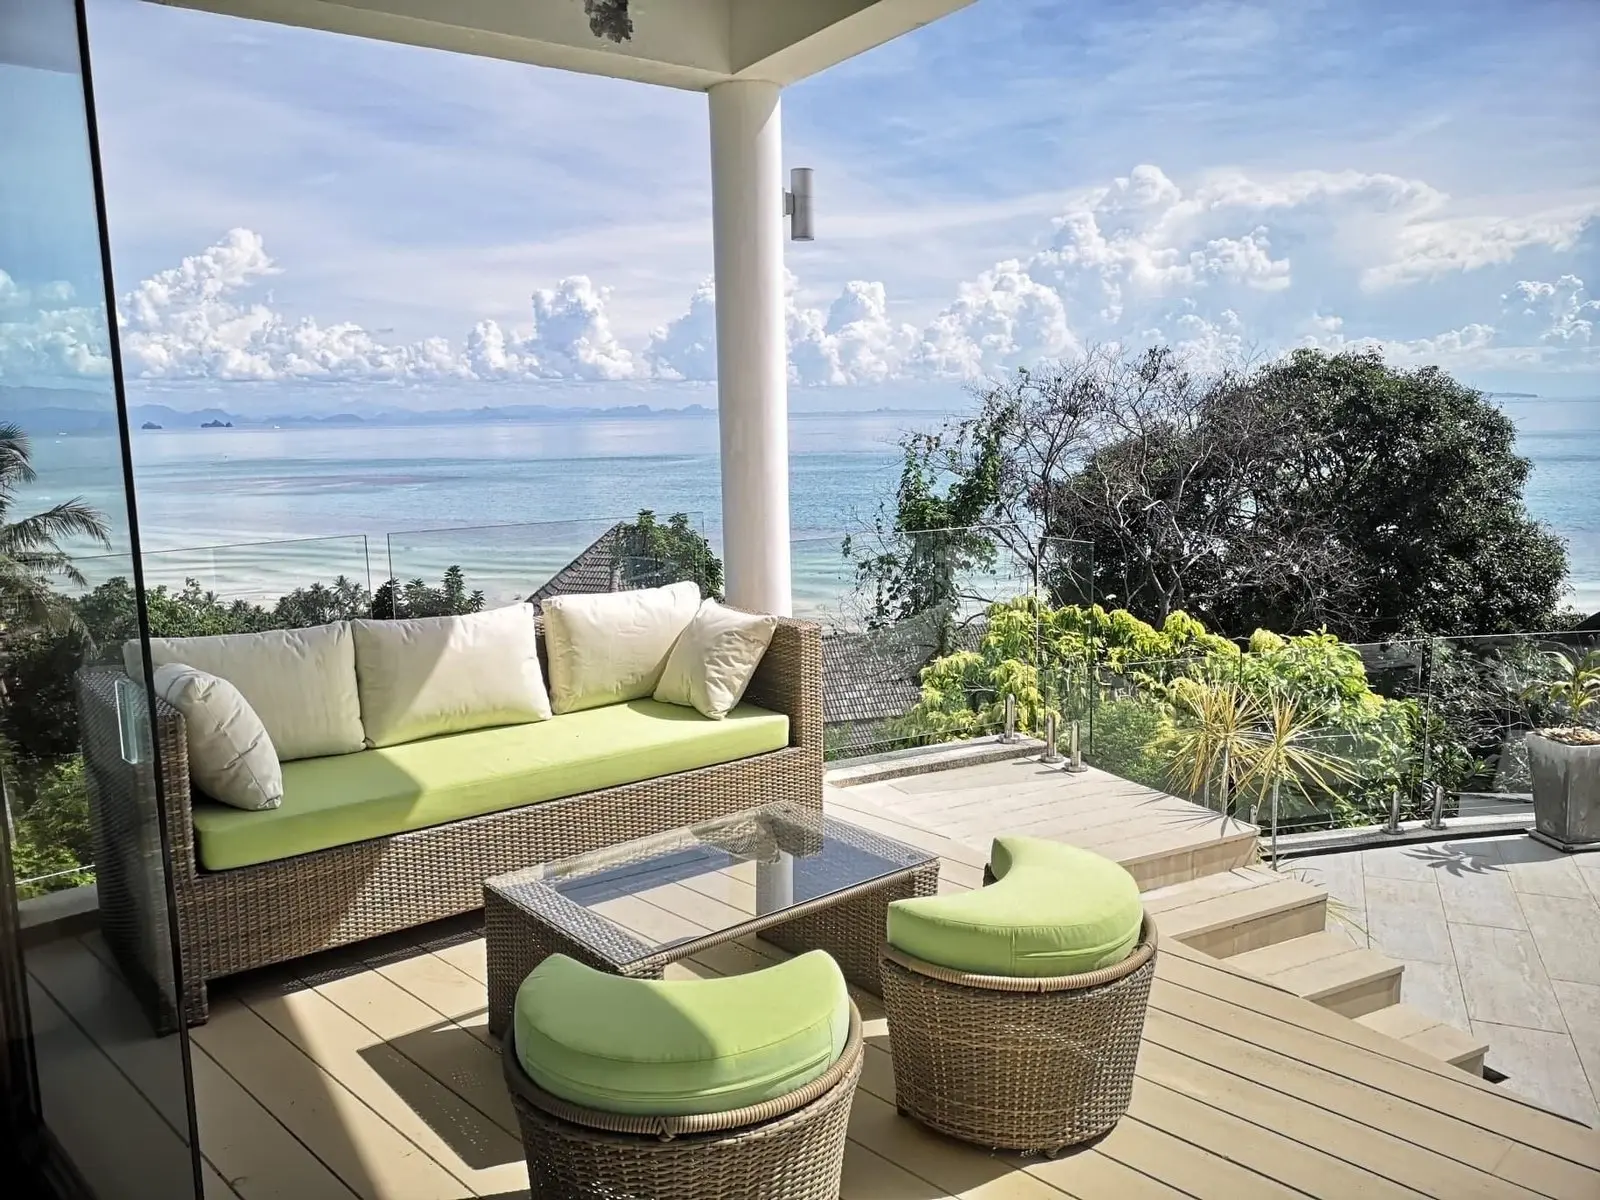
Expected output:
(680, 1047)
(352, 797)
(1053, 910)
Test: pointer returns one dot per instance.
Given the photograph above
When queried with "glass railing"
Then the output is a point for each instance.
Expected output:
(928, 632)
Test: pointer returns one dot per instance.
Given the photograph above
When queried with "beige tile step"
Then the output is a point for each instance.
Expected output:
(1329, 968)
(1430, 1035)
(1234, 911)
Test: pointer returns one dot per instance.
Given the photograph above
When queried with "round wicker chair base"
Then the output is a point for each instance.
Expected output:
(1014, 1070)
(796, 1156)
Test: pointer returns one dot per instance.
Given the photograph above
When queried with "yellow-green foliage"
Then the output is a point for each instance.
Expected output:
(1043, 656)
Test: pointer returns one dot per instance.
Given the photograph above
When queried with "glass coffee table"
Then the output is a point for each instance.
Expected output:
(801, 880)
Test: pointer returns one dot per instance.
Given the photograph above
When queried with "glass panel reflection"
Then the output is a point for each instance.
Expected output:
(113, 1093)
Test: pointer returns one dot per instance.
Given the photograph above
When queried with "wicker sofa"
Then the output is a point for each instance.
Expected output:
(228, 921)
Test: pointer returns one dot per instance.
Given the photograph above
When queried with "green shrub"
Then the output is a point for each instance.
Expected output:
(1125, 740)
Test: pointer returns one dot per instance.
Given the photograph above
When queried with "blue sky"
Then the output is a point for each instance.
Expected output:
(297, 211)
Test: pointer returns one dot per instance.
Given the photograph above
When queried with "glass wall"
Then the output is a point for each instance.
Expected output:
(89, 1013)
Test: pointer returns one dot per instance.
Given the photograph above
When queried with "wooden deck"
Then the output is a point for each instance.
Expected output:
(368, 1072)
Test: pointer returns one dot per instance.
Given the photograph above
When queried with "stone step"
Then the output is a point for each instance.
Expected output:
(1430, 1035)
(1231, 912)
(1329, 968)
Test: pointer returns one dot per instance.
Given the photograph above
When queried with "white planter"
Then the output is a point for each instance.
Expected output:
(1566, 793)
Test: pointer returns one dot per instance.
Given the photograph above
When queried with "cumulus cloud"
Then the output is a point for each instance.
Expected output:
(570, 338)
(686, 347)
(187, 323)
(1001, 319)
(47, 335)
(1224, 266)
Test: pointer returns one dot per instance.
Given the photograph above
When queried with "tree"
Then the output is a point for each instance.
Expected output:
(416, 598)
(1167, 487)
(1317, 491)
(32, 562)
(609, 19)
(650, 554)
(1416, 478)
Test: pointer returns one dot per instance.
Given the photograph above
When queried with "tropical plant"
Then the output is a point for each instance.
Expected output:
(415, 598)
(1571, 687)
(649, 553)
(33, 564)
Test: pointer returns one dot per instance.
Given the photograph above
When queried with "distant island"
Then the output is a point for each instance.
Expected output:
(208, 425)
(149, 425)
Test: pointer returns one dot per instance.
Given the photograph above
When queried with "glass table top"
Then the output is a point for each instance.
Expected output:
(637, 899)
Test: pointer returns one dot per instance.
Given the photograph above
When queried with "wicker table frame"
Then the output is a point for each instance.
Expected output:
(1017, 1064)
(526, 920)
(249, 917)
(789, 1148)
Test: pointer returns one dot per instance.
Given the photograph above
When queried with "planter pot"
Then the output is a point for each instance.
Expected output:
(1566, 793)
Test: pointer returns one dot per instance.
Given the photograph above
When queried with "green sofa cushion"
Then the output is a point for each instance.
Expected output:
(1053, 910)
(650, 1047)
(352, 797)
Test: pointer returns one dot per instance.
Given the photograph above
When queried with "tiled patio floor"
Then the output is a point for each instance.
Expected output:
(1499, 933)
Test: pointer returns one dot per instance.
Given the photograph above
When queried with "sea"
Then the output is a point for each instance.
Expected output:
(253, 512)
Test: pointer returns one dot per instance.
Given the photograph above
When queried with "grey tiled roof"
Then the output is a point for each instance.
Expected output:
(592, 571)
(876, 674)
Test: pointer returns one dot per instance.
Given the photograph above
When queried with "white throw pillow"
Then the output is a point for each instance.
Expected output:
(230, 755)
(715, 658)
(301, 682)
(611, 647)
(431, 675)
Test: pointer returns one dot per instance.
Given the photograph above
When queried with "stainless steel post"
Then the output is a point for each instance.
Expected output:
(1009, 733)
(1394, 811)
(1051, 754)
(1436, 821)
(1075, 762)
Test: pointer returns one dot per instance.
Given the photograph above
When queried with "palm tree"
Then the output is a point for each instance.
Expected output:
(31, 558)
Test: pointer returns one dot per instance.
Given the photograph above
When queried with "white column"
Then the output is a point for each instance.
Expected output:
(752, 374)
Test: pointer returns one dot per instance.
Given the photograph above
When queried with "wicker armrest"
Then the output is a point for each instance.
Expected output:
(127, 786)
(789, 680)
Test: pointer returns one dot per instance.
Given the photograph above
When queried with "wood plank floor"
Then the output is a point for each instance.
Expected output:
(369, 1073)
(1159, 838)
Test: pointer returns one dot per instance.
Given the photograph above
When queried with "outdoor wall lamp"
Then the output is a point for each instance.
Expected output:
(797, 205)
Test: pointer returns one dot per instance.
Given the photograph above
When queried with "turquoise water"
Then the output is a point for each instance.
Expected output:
(347, 489)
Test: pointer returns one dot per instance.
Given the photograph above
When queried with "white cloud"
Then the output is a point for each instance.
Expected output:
(570, 338)
(184, 323)
(1227, 267)
(686, 347)
(1426, 250)
(1003, 318)
(854, 342)
(47, 336)
(1557, 314)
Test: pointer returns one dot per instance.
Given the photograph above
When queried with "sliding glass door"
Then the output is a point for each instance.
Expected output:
(97, 1073)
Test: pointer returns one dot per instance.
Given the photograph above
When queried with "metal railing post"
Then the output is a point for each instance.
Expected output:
(1075, 763)
(1436, 820)
(1394, 811)
(1009, 733)
(1051, 754)
(1275, 786)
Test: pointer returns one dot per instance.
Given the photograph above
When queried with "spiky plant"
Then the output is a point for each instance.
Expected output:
(1210, 741)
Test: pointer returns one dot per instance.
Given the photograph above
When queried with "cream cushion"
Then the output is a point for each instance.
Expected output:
(230, 755)
(612, 647)
(712, 662)
(300, 682)
(423, 677)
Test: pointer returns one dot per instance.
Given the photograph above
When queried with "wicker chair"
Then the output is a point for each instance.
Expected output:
(1011, 1063)
(249, 917)
(791, 1148)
